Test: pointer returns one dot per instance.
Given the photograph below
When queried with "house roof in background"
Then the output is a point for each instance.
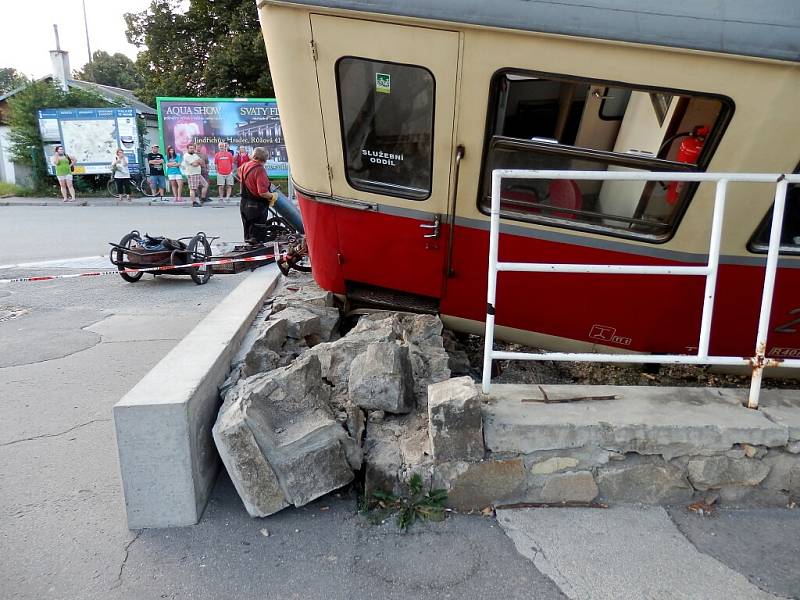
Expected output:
(106, 91)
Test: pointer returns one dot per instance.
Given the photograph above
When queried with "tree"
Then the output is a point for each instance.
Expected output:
(11, 79)
(213, 49)
(24, 135)
(116, 70)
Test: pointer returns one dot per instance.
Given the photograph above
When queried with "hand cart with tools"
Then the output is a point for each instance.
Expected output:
(170, 257)
(136, 251)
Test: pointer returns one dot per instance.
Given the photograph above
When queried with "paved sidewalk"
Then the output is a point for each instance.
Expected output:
(637, 552)
(25, 201)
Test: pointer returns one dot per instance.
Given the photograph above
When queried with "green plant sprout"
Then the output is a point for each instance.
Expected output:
(418, 506)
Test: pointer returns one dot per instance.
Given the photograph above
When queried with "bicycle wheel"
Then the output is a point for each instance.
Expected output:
(199, 250)
(145, 188)
(119, 255)
(111, 187)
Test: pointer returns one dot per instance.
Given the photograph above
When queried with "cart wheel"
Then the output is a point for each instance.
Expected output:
(199, 250)
(120, 257)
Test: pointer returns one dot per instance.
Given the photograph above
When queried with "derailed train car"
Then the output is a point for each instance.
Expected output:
(395, 113)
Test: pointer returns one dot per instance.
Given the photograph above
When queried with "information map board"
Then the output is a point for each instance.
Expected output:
(248, 122)
(91, 136)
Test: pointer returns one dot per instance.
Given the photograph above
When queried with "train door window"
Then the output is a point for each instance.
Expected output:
(546, 122)
(387, 114)
(790, 233)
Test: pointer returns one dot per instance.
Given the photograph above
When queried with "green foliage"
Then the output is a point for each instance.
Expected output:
(417, 506)
(213, 49)
(24, 136)
(9, 189)
(11, 79)
(116, 70)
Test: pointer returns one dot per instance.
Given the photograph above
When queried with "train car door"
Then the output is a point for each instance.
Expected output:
(388, 99)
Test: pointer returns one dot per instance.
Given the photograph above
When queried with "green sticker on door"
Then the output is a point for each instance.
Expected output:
(383, 83)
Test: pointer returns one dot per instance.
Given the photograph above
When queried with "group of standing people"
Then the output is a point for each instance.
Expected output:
(164, 169)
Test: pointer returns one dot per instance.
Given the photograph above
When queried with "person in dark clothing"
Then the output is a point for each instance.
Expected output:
(256, 197)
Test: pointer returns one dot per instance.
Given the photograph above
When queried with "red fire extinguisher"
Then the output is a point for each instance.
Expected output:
(688, 152)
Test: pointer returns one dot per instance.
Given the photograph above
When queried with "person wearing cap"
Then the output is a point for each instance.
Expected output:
(157, 180)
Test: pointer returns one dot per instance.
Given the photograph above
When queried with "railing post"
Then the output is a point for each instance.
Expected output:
(769, 287)
(713, 267)
(491, 289)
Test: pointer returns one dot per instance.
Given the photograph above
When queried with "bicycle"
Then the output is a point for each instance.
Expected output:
(139, 182)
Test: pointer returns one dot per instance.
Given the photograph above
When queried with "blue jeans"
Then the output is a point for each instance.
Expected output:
(158, 182)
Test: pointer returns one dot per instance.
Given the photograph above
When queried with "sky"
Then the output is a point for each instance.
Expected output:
(26, 31)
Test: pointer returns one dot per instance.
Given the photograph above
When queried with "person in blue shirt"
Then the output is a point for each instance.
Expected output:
(173, 162)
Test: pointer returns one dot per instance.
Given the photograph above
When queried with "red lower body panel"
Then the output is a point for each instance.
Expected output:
(647, 313)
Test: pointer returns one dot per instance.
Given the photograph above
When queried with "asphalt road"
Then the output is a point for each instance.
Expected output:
(33, 233)
(70, 349)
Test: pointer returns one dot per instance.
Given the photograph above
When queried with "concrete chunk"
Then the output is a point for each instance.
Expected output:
(473, 486)
(783, 408)
(287, 415)
(644, 482)
(251, 474)
(456, 423)
(576, 486)
(380, 379)
(300, 322)
(647, 420)
(716, 471)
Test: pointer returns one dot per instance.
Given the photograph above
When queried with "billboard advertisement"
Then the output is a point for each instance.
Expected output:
(91, 136)
(205, 122)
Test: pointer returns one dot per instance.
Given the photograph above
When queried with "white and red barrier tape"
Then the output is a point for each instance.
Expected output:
(224, 261)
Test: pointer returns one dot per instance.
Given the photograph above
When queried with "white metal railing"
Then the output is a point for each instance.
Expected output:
(709, 271)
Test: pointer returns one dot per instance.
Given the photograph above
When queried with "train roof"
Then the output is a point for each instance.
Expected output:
(760, 29)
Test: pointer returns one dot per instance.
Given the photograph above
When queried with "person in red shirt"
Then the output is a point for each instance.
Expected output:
(241, 157)
(256, 197)
(223, 160)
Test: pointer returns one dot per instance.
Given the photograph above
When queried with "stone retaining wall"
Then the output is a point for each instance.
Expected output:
(648, 445)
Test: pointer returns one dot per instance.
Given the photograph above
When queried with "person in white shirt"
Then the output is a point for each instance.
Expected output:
(191, 165)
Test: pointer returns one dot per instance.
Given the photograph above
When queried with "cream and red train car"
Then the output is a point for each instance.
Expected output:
(395, 112)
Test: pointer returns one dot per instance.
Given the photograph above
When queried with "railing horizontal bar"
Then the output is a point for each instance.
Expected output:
(640, 358)
(645, 176)
(605, 269)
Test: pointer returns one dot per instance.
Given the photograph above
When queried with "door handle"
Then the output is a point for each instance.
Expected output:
(448, 270)
(434, 227)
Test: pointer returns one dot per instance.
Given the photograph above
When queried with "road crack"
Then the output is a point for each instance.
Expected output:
(126, 550)
(51, 435)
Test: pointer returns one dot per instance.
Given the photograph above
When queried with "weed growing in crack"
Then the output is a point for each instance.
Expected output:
(417, 506)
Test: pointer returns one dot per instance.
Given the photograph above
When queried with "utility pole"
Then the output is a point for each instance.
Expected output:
(86, 28)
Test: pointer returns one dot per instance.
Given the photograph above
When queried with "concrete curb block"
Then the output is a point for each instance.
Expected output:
(167, 458)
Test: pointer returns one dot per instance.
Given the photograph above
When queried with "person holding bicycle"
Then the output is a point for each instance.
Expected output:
(122, 175)
(158, 182)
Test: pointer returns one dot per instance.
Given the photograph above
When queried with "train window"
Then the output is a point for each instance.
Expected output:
(545, 122)
(790, 235)
(386, 114)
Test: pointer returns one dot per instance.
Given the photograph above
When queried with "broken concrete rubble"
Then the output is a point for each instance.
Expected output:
(385, 386)
(380, 379)
(456, 424)
(290, 425)
(292, 428)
